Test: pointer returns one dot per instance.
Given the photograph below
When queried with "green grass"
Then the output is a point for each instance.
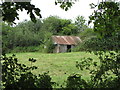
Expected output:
(60, 65)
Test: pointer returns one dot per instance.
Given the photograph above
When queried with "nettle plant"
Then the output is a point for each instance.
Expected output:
(19, 76)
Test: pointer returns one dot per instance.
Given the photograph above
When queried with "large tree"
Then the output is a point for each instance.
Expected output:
(106, 19)
(10, 9)
(80, 22)
(58, 26)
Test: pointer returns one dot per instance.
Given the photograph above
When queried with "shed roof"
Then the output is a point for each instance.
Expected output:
(66, 40)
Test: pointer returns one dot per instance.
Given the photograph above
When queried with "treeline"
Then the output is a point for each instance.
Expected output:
(29, 36)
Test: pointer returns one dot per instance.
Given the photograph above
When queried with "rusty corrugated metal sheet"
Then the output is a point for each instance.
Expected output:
(67, 40)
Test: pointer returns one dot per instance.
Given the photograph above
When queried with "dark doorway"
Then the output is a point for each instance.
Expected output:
(68, 48)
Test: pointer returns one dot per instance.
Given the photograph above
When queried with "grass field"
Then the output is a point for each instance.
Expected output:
(60, 65)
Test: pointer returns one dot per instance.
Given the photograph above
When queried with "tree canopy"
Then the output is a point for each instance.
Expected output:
(10, 9)
(27, 33)
(106, 19)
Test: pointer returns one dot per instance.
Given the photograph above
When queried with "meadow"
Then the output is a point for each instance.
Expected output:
(59, 65)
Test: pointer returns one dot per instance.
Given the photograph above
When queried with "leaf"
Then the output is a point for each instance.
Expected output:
(30, 59)
(28, 12)
(17, 18)
(13, 55)
(66, 8)
(95, 63)
(55, 3)
(89, 22)
(32, 16)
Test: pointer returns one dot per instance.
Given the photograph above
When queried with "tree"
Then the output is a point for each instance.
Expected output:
(6, 31)
(106, 19)
(26, 34)
(106, 24)
(58, 26)
(29, 25)
(52, 24)
(9, 9)
(80, 22)
(70, 29)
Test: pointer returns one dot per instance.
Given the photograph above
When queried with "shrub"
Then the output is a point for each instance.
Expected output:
(49, 46)
(19, 76)
(26, 49)
(98, 44)
(105, 74)
(76, 82)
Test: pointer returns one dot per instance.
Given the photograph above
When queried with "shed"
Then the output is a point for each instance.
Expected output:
(65, 43)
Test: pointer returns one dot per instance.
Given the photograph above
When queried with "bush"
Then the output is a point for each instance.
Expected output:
(97, 44)
(19, 76)
(105, 74)
(26, 49)
(49, 46)
(76, 82)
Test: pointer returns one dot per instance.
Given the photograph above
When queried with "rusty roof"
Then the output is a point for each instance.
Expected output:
(67, 40)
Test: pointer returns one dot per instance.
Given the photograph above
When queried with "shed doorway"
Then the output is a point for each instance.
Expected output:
(68, 48)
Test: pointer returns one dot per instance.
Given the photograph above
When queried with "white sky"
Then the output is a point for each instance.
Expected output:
(48, 8)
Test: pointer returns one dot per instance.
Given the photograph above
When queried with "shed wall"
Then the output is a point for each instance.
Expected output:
(61, 48)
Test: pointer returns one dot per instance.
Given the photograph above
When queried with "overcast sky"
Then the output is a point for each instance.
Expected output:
(48, 8)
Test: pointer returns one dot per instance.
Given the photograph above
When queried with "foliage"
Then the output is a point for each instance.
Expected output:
(9, 10)
(87, 34)
(106, 19)
(98, 44)
(64, 5)
(51, 24)
(106, 25)
(104, 74)
(58, 26)
(60, 66)
(70, 29)
(25, 34)
(29, 25)
(76, 82)
(26, 49)
(80, 22)
(87, 37)
(29, 34)
(49, 46)
(19, 76)
(5, 38)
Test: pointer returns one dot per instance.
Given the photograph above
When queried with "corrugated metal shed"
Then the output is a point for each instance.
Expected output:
(66, 40)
